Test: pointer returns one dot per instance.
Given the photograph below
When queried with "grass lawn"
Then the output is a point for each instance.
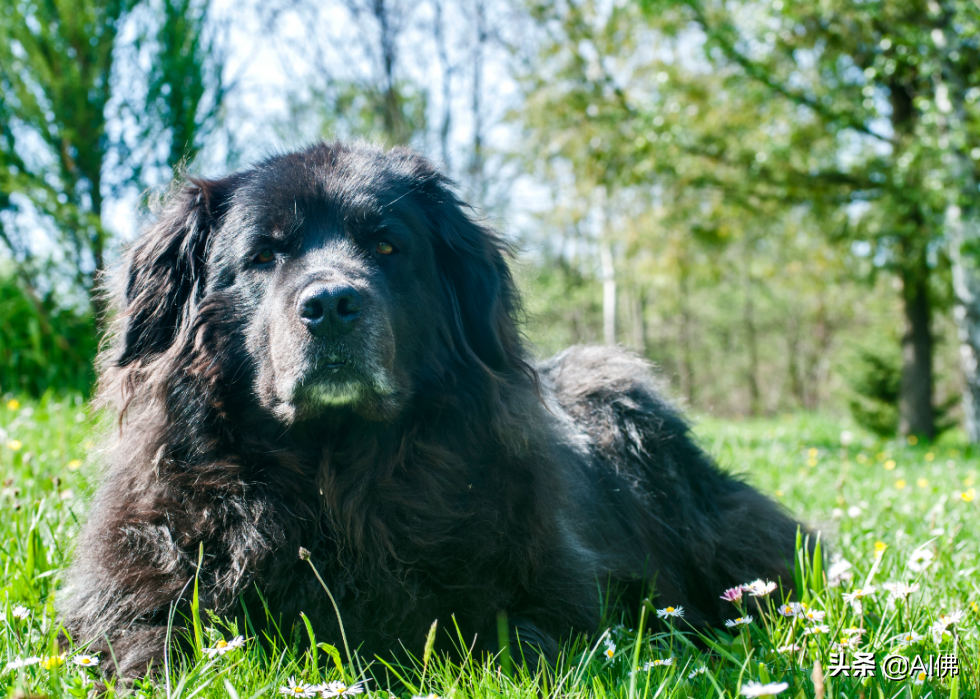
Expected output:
(897, 513)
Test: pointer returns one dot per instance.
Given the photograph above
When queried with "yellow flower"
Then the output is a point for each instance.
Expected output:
(922, 483)
(53, 661)
(912, 440)
(969, 495)
(812, 453)
(74, 464)
(930, 456)
(13, 404)
(14, 444)
(880, 547)
(900, 484)
(779, 493)
(890, 465)
(811, 463)
(88, 445)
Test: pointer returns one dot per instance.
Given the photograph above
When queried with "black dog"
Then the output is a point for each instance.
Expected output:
(321, 352)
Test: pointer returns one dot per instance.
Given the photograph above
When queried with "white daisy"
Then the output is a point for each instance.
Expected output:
(790, 609)
(816, 629)
(297, 689)
(759, 588)
(899, 590)
(740, 621)
(859, 593)
(839, 571)
(700, 670)
(339, 689)
(659, 662)
(85, 660)
(790, 648)
(908, 638)
(21, 662)
(757, 689)
(920, 559)
(21, 612)
(610, 650)
(223, 646)
(670, 611)
(814, 615)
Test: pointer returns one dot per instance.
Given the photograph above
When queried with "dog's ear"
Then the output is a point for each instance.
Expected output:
(483, 299)
(163, 273)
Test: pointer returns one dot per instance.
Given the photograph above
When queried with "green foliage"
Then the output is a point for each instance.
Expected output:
(876, 383)
(43, 347)
(899, 513)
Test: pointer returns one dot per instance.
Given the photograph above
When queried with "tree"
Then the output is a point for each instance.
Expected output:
(861, 79)
(61, 89)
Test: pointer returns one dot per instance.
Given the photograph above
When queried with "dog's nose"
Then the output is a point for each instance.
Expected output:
(329, 310)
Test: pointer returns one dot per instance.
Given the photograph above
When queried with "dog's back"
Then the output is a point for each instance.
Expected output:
(672, 517)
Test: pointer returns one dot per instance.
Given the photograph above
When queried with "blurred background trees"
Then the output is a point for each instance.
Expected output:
(775, 201)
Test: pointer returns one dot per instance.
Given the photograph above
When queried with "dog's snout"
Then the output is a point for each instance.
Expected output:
(329, 310)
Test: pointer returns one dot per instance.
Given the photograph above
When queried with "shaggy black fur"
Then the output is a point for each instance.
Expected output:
(321, 352)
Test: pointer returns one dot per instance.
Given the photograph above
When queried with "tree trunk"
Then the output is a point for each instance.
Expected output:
(915, 396)
(687, 351)
(751, 341)
(964, 233)
(637, 326)
(608, 293)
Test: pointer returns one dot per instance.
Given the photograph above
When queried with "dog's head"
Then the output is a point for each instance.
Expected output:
(333, 278)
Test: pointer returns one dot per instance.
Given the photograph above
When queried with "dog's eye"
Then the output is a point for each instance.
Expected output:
(385, 248)
(264, 257)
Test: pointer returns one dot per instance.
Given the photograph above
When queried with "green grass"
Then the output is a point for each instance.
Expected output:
(866, 496)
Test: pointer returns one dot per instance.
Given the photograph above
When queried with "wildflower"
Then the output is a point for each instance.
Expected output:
(859, 594)
(816, 629)
(21, 612)
(922, 483)
(920, 677)
(223, 646)
(74, 464)
(740, 621)
(53, 661)
(670, 611)
(339, 689)
(968, 495)
(21, 662)
(890, 465)
(814, 615)
(700, 670)
(427, 696)
(659, 662)
(14, 445)
(900, 484)
(789, 609)
(757, 689)
(759, 588)
(610, 650)
(880, 547)
(899, 590)
(85, 660)
(790, 648)
(908, 638)
(848, 643)
(853, 631)
(939, 627)
(839, 571)
(732, 594)
(297, 689)
(13, 404)
(920, 559)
